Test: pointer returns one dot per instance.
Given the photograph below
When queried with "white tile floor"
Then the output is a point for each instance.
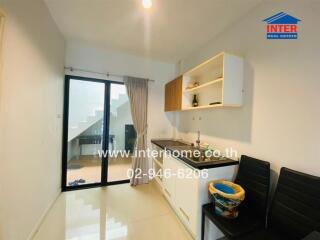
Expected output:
(113, 212)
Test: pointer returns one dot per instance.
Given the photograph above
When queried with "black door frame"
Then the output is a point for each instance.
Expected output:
(105, 136)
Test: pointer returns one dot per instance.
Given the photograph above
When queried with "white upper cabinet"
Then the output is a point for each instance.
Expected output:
(218, 82)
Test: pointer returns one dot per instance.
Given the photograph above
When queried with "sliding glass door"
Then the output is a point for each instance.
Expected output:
(98, 135)
(85, 132)
(121, 133)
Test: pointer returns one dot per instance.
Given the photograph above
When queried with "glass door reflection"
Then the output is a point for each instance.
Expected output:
(85, 132)
(122, 135)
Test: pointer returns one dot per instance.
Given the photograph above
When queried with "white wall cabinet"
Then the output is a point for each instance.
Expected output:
(187, 193)
(217, 82)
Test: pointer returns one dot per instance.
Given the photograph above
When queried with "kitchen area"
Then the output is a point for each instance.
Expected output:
(159, 119)
(183, 169)
(183, 172)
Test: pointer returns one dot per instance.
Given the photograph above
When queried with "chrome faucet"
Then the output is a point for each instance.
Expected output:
(198, 140)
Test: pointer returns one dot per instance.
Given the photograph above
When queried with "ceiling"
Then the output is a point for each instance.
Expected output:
(169, 31)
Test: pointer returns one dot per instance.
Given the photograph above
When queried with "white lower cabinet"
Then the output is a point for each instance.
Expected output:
(170, 166)
(187, 199)
(187, 193)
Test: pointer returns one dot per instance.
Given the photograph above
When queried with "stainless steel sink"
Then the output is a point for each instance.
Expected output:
(194, 154)
(196, 157)
(170, 143)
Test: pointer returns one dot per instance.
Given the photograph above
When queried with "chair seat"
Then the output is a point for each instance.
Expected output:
(263, 234)
(234, 228)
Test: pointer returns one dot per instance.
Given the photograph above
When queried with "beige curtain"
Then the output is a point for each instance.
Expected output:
(2, 18)
(1, 26)
(1, 29)
(1, 32)
(137, 90)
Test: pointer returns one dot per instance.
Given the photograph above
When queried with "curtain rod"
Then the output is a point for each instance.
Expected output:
(101, 73)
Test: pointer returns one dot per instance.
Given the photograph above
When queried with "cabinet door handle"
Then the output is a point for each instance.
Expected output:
(184, 214)
(167, 192)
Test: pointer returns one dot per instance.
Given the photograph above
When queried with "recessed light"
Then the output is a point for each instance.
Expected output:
(147, 3)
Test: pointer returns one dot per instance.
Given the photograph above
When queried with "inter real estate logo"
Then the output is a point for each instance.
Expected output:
(282, 26)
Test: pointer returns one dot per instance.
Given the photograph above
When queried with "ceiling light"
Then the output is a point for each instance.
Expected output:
(147, 3)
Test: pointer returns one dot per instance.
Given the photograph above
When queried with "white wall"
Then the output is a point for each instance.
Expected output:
(279, 121)
(31, 128)
(102, 60)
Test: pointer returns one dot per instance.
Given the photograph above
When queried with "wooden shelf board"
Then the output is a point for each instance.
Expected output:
(204, 85)
(201, 107)
(209, 106)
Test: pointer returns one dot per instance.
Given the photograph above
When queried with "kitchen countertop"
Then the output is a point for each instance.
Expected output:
(177, 145)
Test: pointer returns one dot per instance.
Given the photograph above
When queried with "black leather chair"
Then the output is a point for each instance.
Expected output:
(295, 210)
(254, 177)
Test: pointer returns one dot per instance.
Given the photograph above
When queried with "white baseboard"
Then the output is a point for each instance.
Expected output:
(38, 224)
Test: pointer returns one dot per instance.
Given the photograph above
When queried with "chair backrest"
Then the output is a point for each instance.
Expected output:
(295, 209)
(254, 177)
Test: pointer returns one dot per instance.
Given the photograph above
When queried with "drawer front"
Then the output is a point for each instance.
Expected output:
(187, 198)
(170, 166)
